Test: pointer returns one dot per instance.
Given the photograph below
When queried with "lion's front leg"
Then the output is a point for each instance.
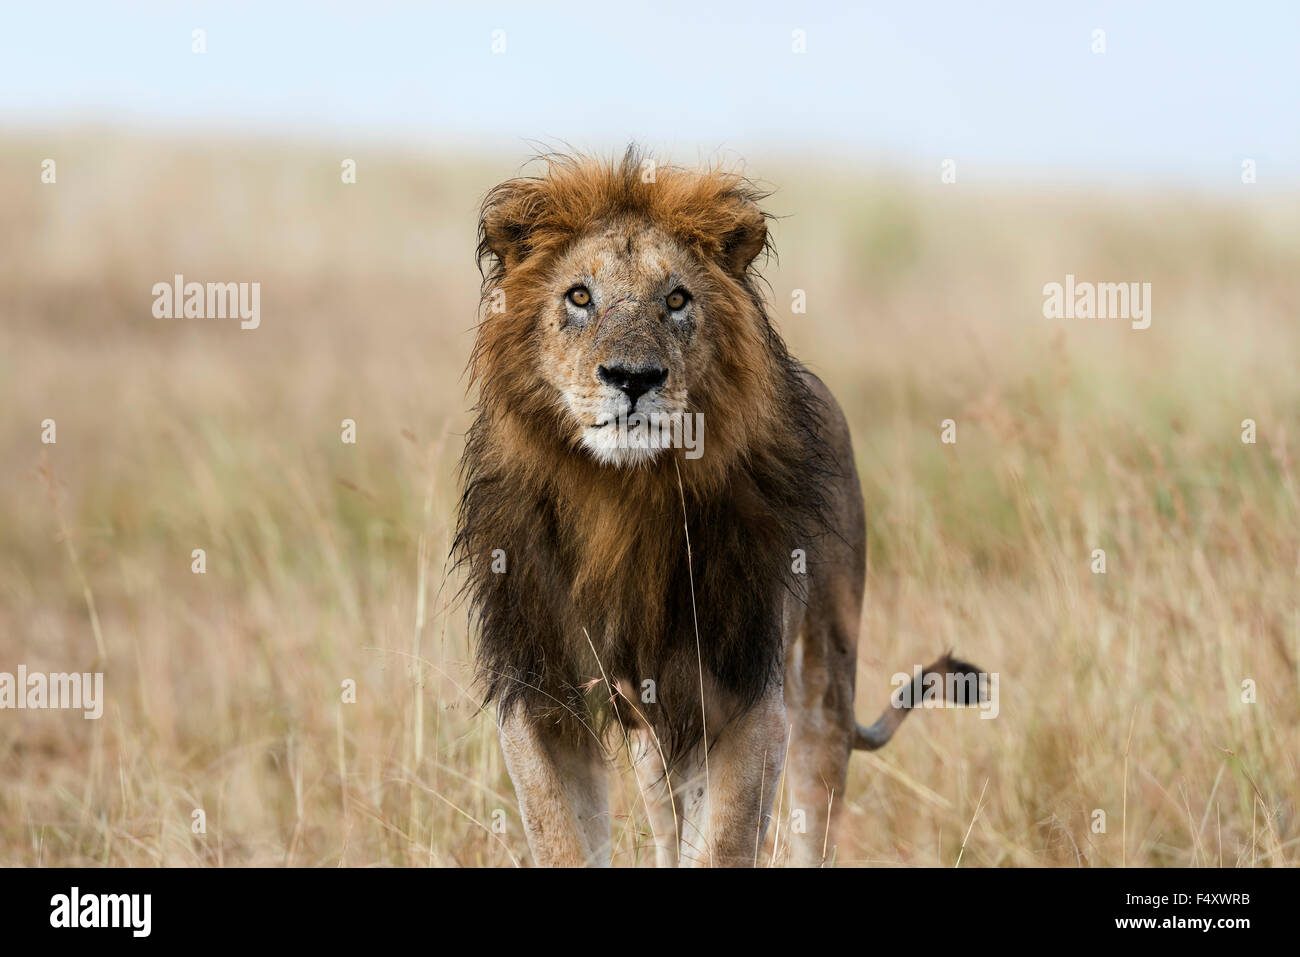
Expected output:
(726, 802)
(560, 782)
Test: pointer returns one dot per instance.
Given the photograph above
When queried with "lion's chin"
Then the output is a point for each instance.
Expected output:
(629, 450)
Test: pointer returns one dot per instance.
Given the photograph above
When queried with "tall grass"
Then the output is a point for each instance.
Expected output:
(1120, 693)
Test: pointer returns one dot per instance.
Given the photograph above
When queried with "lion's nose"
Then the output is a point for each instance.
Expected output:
(633, 383)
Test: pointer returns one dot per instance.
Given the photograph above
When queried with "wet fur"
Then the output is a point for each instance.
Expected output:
(598, 556)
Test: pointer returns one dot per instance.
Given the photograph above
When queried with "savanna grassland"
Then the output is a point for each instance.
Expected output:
(1120, 692)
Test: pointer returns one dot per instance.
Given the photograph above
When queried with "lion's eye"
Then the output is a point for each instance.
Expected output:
(677, 299)
(579, 296)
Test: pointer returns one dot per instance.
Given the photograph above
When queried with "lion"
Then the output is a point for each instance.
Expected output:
(699, 607)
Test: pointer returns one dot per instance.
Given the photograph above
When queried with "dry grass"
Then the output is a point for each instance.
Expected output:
(1119, 692)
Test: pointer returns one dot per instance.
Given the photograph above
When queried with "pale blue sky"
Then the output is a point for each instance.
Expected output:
(1184, 92)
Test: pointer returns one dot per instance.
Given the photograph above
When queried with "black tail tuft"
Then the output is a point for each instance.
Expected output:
(963, 684)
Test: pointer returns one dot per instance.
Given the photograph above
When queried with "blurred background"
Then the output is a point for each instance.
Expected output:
(934, 165)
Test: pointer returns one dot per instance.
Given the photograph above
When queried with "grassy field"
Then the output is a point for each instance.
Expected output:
(1120, 692)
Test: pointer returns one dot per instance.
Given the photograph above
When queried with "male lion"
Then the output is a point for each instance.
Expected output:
(700, 607)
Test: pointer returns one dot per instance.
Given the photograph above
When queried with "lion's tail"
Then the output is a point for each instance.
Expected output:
(961, 684)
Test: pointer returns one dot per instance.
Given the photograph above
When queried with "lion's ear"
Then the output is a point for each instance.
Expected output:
(743, 238)
(506, 222)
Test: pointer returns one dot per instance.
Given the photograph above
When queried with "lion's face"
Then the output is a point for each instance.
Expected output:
(624, 337)
(620, 313)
